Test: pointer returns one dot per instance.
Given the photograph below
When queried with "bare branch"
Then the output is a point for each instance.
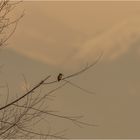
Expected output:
(33, 89)
(79, 72)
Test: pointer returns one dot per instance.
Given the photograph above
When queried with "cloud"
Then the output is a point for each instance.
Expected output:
(59, 45)
(52, 44)
(115, 42)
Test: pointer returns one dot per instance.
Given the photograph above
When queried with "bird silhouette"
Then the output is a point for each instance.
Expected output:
(59, 77)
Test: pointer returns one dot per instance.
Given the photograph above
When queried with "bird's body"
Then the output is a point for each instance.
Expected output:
(59, 77)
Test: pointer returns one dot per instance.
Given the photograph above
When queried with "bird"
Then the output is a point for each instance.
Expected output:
(59, 77)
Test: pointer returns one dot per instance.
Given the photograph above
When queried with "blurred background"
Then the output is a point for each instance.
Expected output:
(61, 36)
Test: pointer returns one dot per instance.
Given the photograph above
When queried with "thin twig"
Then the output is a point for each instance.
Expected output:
(34, 88)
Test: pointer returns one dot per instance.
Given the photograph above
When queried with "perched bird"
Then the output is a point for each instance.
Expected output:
(59, 77)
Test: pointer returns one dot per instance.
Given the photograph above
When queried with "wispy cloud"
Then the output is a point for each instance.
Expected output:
(115, 42)
(51, 42)
(58, 44)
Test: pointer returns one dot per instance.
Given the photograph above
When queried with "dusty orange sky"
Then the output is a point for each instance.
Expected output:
(65, 36)
(85, 28)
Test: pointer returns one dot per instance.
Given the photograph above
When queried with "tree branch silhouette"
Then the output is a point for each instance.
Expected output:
(43, 83)
(31, 91)
(19, 116)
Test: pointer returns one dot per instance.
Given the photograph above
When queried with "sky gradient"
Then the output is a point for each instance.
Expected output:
(64, 37)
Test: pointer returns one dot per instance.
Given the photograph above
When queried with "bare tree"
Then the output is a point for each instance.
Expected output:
(7, 25)
(17, 117)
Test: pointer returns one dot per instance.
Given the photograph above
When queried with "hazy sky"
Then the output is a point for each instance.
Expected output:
(63, 37)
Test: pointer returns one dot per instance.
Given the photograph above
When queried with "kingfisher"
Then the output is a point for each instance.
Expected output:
(59, 77)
